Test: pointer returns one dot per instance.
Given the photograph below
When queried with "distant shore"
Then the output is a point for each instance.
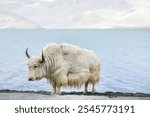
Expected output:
(43, 95)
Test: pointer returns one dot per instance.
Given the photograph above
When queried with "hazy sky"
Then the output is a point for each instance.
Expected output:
(77, 13)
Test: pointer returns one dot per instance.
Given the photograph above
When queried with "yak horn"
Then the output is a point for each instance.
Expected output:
(43, 59)
(27, 53)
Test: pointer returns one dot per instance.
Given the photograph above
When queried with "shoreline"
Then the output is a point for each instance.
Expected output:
(44, 95)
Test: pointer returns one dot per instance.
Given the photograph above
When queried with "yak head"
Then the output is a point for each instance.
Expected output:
(36, 67)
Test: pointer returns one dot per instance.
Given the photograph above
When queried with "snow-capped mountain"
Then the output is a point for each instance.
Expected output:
(9, 20)
(81, 13)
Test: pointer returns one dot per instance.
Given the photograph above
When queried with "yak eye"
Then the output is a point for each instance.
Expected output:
(35, 66)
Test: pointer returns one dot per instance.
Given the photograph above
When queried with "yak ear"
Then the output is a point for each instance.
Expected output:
(27, 53)
(43, 59)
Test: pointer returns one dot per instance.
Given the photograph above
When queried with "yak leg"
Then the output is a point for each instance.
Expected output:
(86, 87)
(93, 88)
(57, 89)
(54, 88)
(62, 80)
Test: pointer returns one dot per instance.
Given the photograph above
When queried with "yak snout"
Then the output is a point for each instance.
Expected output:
(30, 79)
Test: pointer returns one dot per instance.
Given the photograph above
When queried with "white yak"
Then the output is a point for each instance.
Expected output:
(65, 65)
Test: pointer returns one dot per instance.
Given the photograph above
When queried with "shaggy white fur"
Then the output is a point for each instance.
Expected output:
(65, 65)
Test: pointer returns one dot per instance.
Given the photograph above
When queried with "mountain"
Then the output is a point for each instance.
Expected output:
(9, 20)
(79, 13)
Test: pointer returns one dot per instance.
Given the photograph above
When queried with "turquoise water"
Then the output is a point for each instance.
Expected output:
(124, 55)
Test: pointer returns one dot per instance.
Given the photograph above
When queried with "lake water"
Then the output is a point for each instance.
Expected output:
(124, 55)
